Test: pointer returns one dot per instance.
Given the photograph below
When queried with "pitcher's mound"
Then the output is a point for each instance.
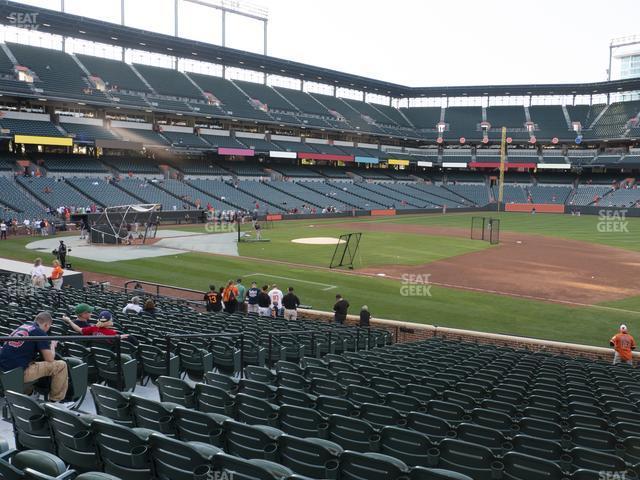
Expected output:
(318, 240)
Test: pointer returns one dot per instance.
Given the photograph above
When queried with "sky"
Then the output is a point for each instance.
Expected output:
(414, 43)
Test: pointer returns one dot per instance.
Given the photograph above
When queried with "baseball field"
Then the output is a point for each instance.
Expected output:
(557, 277)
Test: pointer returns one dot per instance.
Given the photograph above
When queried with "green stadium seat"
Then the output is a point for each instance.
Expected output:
(225, 382)
(14, 465)
(486, 436)
(476, 461)
(302, 422)
(252, 469)
(260, 374)
(153, 362)
(153, 415)
(292, 380)
(492, 419)
(290, 396)
(371, 466)
(194, 426)
(257, 389)
(176, 460)
(381, 415)
(518, 466)
(73, 437)
(322, 386)
(255, 411)
(112, 404)
(541, 448)
(407, 445)
(449, 411)
(251, 441)
(421, 473)
(106, 365)
(359, 394)
(404, 403)
(421, 392)
(328, 405)
(213, 399)
(590, 459)
(541, 429)
(124, 451)
(434, 427)
(312, 457)
(194, 361)
(353, 433)
(176, 391)
(31, 427)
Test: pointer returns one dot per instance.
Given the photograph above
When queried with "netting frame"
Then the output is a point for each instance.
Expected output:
(111, 220)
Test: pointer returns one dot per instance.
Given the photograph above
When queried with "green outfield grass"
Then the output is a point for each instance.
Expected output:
(444, 307)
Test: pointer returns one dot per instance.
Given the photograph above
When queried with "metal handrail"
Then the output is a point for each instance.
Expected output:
(79, 338)
(169, 338)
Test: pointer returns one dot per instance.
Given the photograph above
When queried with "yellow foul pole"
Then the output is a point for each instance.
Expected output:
(503, 157)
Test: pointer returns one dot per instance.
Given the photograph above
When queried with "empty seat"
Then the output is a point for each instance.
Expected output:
(473, 460)
(435, 428)
(251, 441)
(176, 460)
(311, 457)
(407, 445)
(194, 426)
(371, 466)
(353, 434)
(302, 422)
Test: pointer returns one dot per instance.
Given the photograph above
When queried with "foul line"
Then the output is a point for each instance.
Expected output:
(328, 287)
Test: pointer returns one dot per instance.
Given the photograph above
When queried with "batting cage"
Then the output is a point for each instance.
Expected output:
(485, 228)
(346, 250)
(126, 224)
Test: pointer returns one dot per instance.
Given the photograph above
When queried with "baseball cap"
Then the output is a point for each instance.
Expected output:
(623, 328)
(105, 315)
(82, 308)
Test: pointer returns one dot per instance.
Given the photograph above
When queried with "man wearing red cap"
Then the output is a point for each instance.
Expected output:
(624, 345)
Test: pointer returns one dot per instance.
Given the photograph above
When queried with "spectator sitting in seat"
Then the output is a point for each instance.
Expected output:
(133, 306)
(23, 354)
(103, 327)
(83, 314)
(149, 308)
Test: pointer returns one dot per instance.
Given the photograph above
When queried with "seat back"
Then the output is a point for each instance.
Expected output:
(73, 437)
(30, 423)
(124, 453)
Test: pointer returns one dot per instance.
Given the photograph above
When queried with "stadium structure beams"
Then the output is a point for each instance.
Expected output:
(76, 26)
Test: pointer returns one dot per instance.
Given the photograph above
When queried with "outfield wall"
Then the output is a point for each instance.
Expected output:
(412, 332)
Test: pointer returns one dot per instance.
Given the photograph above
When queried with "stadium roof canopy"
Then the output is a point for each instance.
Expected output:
(76, 26)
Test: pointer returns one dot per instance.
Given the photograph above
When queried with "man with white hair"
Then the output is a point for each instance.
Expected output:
(624, 344)
(23, 354)
(133, 306)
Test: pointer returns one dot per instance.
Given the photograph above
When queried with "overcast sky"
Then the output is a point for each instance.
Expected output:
(416, 43)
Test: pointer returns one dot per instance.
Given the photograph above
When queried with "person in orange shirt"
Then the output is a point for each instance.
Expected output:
(56, 275)
(230, 297)
(624, 345)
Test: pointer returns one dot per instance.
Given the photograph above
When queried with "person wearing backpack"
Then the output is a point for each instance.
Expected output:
(230, 297)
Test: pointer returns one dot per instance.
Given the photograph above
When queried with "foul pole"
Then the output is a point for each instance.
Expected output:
(503, 156)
